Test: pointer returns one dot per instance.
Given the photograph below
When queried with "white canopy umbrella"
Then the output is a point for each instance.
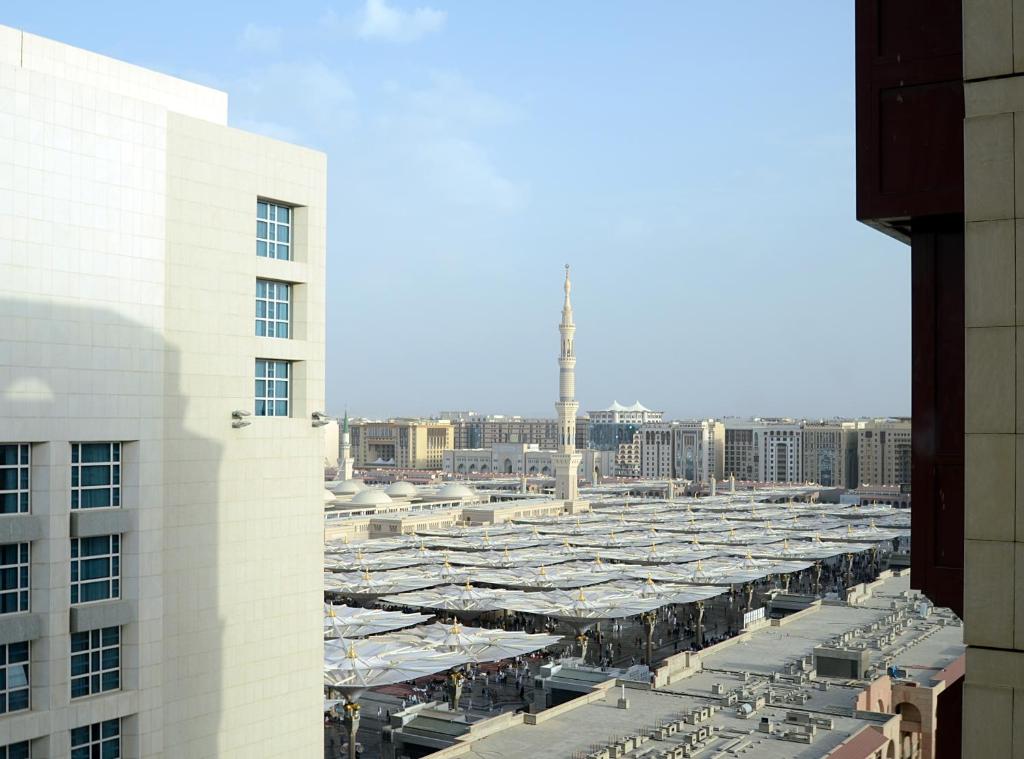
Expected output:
(373, 584)
(458, 599)
(353, 622)
(352, 667)
(478, 644)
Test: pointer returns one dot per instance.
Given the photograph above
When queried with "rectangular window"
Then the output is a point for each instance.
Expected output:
(101, 740)
(20, 750)
(273, 308)
(14, 578)
(14, 684)
(15, 460)
(95, 661)
(272, 391)
(95, 475)
(95, 568)
(273, 230)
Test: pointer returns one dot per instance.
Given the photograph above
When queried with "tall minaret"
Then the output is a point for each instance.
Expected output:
(347, 461)
(567, 460)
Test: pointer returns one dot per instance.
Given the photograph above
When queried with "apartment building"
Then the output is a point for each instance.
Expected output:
(742, 456)
(475, 431)
(402, 443)
(765, 450)
(657, 453)
(690, 450)
(780, 447)
(161, 513)
(883, 452)
(830, 453)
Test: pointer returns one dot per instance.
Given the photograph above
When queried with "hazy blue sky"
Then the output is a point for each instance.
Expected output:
(693, 161)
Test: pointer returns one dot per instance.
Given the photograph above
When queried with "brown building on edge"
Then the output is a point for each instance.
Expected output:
(940, 154)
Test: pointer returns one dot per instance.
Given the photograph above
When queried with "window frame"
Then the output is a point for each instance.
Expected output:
(274, 236)
(22, 491)
(24, 750)
(112, 578)
(94, 650)
(22, 568)
(112, 464)
(96, 736)
(6, 666)
(266, 403)
(272, 302)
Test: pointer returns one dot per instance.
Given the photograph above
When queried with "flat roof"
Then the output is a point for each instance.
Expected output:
(755, 666)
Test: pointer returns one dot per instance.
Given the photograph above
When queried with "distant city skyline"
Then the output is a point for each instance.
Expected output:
(475, 148)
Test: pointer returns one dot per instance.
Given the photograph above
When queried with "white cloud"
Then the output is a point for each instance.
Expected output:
(295, 101)
(452, 101)
(386, 22)
(259, 39)
(462, 173)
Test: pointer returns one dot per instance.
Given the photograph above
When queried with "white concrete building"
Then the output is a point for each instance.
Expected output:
(699, 447)
(780, 446)
(619, 414)
(161, 497)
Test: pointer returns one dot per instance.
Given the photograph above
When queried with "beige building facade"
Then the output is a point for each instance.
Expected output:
(161, 360)
(994, 379)
(883, 452)
(401, 443)
(830, 453)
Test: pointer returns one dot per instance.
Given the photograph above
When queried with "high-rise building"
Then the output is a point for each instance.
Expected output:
(699, 448)
(765, 450)
(830, 453)
(656, 450)
(780, 449)
(162, 291)
(690, 450)
(614, 426)
(486, 431)
(883, 452)
(742, 457)
(567, 460)
(401, 443)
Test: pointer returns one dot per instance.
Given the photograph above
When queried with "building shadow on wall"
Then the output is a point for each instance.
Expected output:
(103, 376)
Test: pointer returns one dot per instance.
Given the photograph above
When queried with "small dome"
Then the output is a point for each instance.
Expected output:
(372, 498)
(346, 487)
(455, 492)
(401, 489)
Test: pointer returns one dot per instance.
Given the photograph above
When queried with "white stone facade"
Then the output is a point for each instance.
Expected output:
(128, 273)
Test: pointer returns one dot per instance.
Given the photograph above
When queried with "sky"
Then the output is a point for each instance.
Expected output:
(692, 161)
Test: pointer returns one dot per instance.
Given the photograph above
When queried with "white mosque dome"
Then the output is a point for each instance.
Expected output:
(453, 491)
(401, 489)
(346, 487)
(372, 497)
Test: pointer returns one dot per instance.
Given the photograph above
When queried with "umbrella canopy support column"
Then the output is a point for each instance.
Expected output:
(582, 640)
(700, 624)
(817, 578)
(749, 588)
(849, 569)
(650, 618)
(351, 722)
(455, 681)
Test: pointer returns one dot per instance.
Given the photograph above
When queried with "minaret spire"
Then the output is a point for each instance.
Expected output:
(567, 306)
(567, 460)
(347, 462)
